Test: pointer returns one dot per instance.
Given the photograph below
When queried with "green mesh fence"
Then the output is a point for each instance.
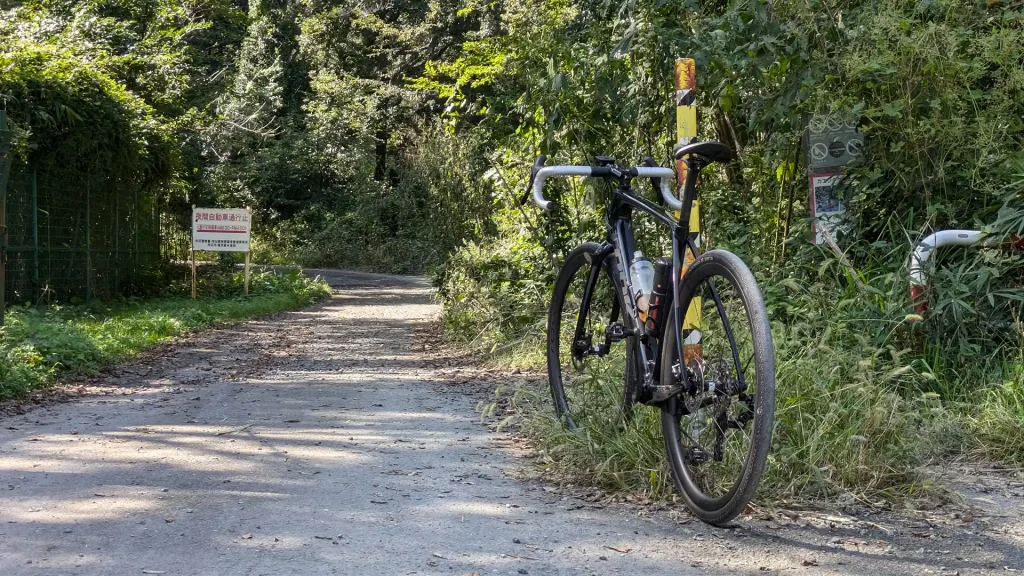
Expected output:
(78, 238)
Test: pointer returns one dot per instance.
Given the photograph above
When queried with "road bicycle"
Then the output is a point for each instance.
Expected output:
(718, 403)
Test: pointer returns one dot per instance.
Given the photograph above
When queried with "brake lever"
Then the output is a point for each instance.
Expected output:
(537, 165)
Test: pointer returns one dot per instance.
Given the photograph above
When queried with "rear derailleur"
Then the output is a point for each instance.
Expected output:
(713, 386)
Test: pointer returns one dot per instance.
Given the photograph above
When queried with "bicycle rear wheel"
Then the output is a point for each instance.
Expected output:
(587, 378)
(717, 437)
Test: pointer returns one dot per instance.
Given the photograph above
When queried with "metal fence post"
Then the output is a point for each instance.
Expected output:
(35, 230)
(88, 242)
(117, 245)
(138, 215)
(5, 169)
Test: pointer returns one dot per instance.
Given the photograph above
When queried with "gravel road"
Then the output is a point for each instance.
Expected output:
(324, 441)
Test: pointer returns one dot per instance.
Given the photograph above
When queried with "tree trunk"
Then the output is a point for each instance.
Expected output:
(727, 136)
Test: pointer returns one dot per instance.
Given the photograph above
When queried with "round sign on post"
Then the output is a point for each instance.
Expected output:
(819, 151)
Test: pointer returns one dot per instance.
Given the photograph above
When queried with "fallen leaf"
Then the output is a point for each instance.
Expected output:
(247, 536)
(623, 550)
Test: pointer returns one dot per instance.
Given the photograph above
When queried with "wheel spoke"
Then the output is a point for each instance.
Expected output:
(717, 419)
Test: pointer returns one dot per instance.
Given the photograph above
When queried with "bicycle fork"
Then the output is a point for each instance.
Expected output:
(582, 345)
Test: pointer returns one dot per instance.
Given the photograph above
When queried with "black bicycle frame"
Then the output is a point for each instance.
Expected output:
(620, 235)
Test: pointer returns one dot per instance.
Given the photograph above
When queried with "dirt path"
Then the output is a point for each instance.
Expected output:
(318, 442)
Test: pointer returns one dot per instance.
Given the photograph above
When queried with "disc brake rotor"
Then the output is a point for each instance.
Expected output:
(708, 406)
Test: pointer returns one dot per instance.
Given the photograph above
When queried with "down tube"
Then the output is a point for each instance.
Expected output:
(626, 243)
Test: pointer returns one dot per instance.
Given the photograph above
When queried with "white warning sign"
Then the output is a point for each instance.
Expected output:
(221, 229)
(827, 206)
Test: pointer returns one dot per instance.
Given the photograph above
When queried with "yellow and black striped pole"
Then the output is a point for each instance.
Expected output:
(686, 132)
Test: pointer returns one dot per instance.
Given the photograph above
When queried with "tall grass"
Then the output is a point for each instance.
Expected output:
(864, 397)
(40, 346)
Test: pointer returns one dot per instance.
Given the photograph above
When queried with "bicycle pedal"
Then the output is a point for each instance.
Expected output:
(617, 333)
(662, 392)
(697, 455)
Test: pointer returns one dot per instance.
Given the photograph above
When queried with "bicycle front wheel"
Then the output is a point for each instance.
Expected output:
(592, 369)
(717, 435)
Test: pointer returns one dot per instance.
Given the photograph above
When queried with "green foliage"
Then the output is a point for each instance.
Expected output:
(496, 295)
(62, 105)
(397, 137)
(109, 101)
(342, 162)
(43, 345)
(864, 396)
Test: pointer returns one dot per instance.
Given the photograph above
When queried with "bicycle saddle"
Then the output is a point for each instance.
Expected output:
(710, 151)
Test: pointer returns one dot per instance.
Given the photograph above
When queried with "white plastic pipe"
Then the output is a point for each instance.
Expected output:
(925, 247)
(923, 251)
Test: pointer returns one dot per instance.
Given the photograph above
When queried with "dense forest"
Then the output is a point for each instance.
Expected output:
(397, 135)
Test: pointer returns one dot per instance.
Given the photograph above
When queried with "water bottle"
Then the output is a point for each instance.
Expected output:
(641, 274)
(654, 326)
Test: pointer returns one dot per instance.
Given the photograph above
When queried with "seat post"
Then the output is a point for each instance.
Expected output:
(693, 167)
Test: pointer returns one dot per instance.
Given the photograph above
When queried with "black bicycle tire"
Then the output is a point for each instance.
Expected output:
(573, 262)
(728, 265)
